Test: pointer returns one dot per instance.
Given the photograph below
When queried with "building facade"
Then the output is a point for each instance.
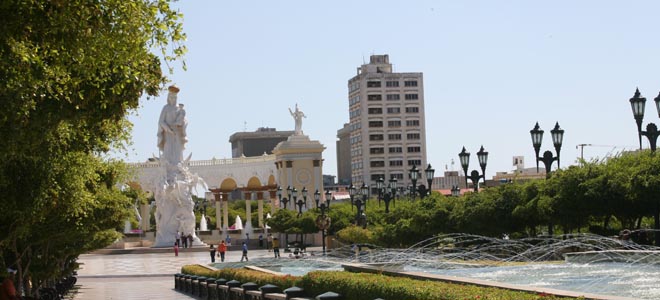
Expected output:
(257, 143)
(387, 124)
(344, 155)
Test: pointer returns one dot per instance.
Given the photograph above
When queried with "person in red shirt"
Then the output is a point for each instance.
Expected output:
(222, 248)
(8, 291)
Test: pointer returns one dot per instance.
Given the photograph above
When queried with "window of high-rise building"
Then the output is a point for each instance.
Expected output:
(373, 83)
(375, 124)
(410, 83)
(394, 123)
(413, 136)
(412, 96)
(393, 110)
(377, 150)
(395, 149)
(392, 83)
(415, 162)
(375, 110)
(396, 163)
(412, 123)
(398, 176)
(393, 97)
(414, 149)
(394, 136)
(377, 164)
(375, 177)
(375, 137)
(374, 97)
(412, 109)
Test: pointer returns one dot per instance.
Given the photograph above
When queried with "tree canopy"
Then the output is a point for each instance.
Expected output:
(71, 72)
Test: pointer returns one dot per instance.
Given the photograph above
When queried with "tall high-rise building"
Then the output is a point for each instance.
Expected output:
(387, 124)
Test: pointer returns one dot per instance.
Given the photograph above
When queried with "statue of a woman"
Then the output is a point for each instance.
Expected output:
(297, 116)
(172, 130)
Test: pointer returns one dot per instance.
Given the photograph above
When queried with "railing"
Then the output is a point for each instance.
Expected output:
(213, 162)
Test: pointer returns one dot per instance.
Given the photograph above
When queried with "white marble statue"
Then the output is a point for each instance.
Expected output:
(298, 115)
(174, 189)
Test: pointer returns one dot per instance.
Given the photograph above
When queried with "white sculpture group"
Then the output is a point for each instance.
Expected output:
(174, 189)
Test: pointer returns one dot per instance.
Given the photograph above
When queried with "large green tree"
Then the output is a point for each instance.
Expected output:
(70, 73)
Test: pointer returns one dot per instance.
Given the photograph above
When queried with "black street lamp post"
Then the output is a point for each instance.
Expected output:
(414, 175)
(379, 187)
(279, 194)
(317, 198)
(390, 195)
(638, 103)
(298, 202)
(547, 159)
(351, 193)
(474, 176)
(360, 216)
(323, 221)
(289, 190)
(429, 178)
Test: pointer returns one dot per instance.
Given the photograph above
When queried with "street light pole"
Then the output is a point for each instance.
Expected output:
(414, 174)
(323, 221)
(351, 193)
(429, 178)
(360, 216)
(474, 176)
(379, 187)
(637, 102)
(548, 158)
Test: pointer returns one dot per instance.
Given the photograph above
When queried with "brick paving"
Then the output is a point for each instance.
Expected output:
(140, 276)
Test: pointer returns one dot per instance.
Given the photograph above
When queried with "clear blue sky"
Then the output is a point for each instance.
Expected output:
(491, 70)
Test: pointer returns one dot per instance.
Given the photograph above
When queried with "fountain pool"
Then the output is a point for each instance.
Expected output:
(527, 262)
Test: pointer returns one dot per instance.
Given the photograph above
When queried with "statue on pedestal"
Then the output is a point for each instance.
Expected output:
(298, 115)
(173, 190)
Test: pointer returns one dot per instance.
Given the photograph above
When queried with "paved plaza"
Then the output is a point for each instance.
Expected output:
(140, 276)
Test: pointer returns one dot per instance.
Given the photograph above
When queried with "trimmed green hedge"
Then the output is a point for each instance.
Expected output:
(243, 275)
(362, 286)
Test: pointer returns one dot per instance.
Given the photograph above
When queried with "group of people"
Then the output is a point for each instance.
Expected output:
(222, 249)
(183, 240)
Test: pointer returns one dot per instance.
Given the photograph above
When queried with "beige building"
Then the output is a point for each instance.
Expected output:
(344, 155)
(387, 125)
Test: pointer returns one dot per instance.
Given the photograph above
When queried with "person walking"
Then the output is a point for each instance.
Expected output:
(276, 247)
(190, 240)
(212, 251)
(228, 240)
(222, 248)
(269, 241)
(178, 237)
(245, 250)
(185, 241)
(261, 240)
(176, 248)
